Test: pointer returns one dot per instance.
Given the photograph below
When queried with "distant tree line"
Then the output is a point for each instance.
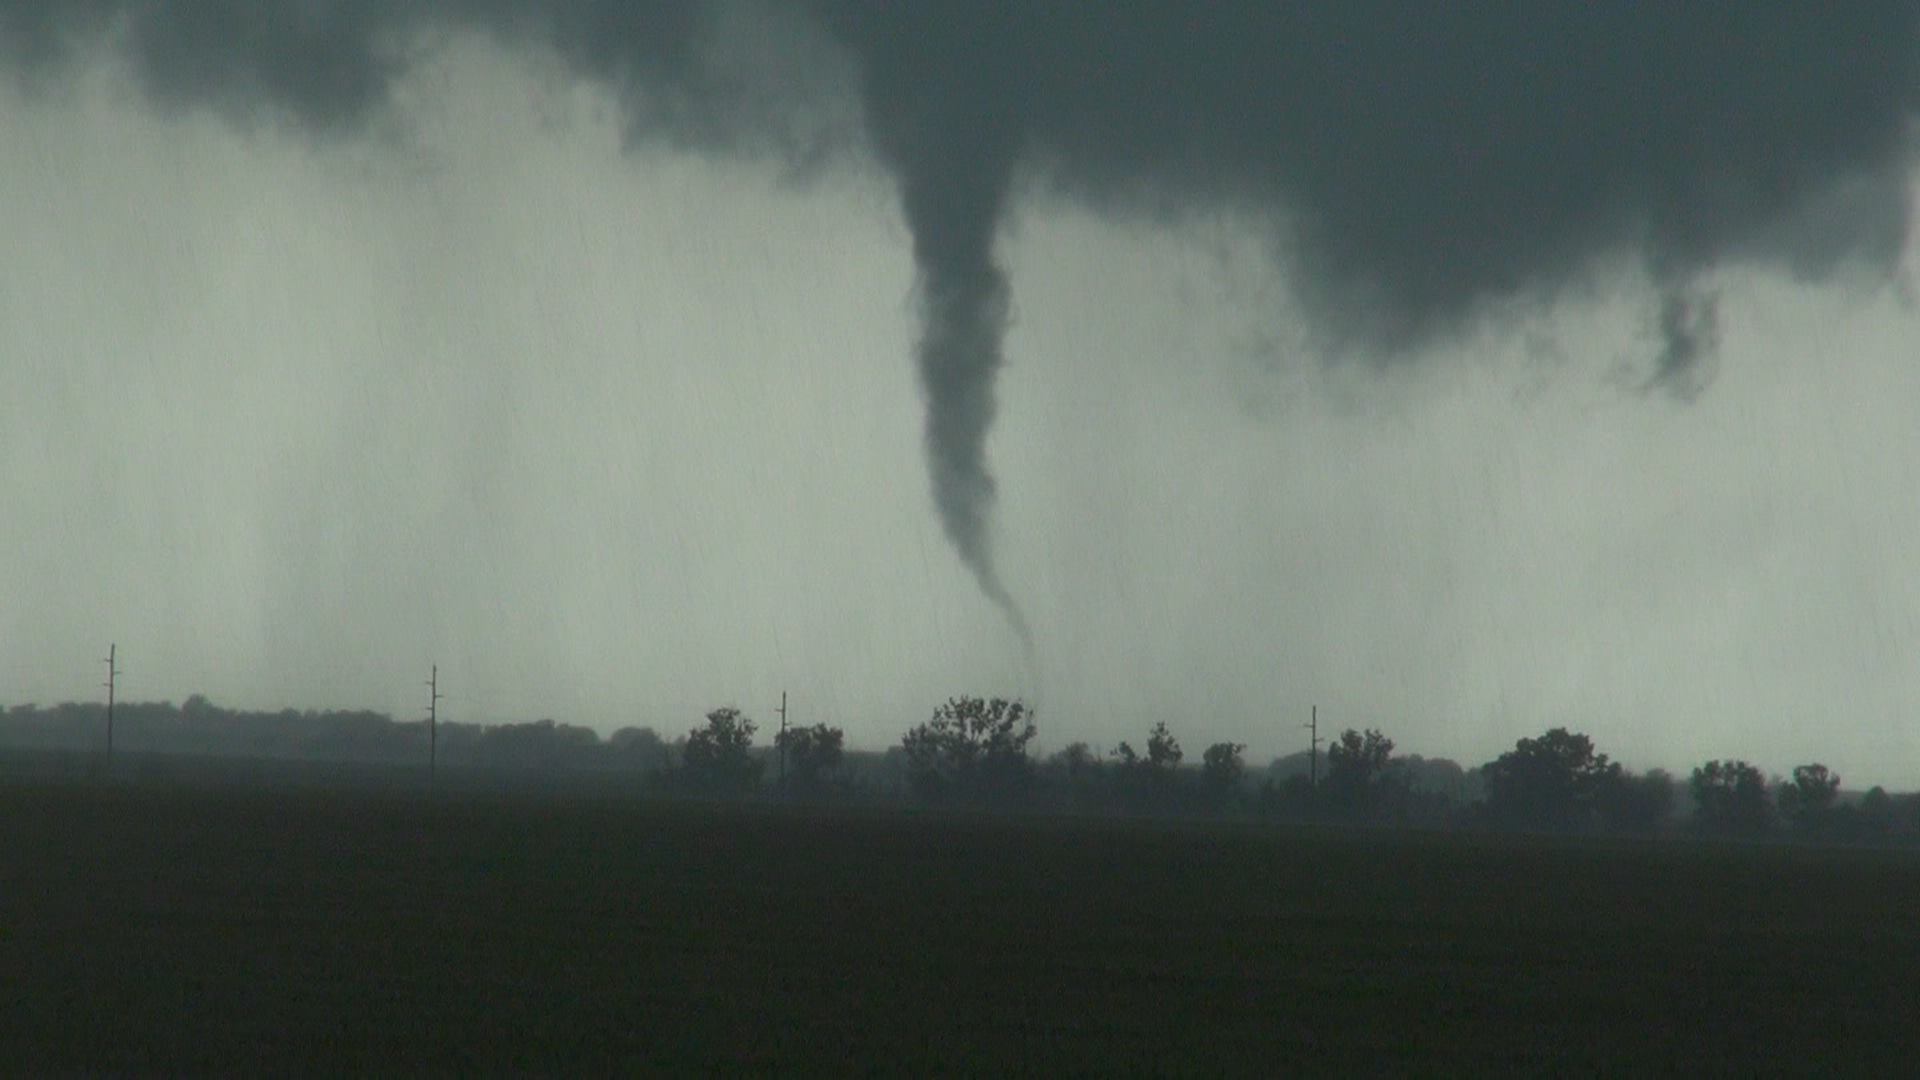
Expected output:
(976, 752)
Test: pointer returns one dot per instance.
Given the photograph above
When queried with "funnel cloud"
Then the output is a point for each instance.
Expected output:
(1420, 167)
(954, 156)
(1689, 337)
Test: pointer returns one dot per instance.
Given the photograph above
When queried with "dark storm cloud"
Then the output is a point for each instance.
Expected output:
(1419, 160)
(329, 65)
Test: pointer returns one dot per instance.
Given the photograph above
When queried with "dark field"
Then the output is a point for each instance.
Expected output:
(225, 929)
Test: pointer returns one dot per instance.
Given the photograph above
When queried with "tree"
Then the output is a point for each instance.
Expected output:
(1074, 759)
(1730, 797)
(638, 748)
(811, 753)
(1355, 758)
(1222, 768)
(1163, 750)
(1290, 797)
(539, 744)
(1357, 771)
(971, 748)
(1151, 782)
(1163, 753)
(1635, 804)
(719, 756)
(1807, 800)
(1876, 813)
(1553, 782)
(1077, 774)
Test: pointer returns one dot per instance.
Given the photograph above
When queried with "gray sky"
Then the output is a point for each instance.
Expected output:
(616, 429)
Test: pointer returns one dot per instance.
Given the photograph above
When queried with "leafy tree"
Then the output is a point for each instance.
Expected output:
(1876, 813)
(540, 744)
(1077, 773)
(1730, 797)
(1437, 776)
(1356, 755)
(811, 753)
(197, 708)
(1163, 750)
(1635, 804)
(1554, 782)
(719, 756)
(638, 747)
(1807, 800)
(1357, 771)
(1075, 759)
(1222, 766)
(971, 747)
(1150, 782)
(1163, 753)
(1289, 797)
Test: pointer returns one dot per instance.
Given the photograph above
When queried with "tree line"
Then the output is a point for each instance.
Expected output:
(975, 752)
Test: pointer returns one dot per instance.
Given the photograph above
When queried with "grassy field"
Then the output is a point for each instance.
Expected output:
(146, 928)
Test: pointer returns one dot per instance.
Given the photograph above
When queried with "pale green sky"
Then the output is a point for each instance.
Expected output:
(615, 435)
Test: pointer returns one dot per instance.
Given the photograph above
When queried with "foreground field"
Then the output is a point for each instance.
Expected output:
(218, 930)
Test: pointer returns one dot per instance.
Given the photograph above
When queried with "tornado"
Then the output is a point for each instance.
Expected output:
(962, 297)
(952, 155)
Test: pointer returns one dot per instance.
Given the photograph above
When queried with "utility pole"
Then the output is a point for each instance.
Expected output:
(781, 742)
(113, 673)
(1313, 752)
(433, 725)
